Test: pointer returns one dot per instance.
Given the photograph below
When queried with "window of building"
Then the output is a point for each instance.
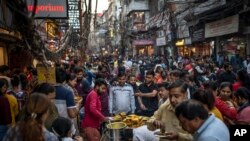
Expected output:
(138, 17)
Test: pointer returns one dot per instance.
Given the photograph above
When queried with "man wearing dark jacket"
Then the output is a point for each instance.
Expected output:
(227, 75)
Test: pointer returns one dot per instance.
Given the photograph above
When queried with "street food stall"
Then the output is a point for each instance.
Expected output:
(124, 127)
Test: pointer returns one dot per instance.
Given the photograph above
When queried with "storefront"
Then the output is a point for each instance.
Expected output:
(203, 49)
(145, 50)
(181, 48)
(228, 33)
(200, 46)
(245, 28)
(143, 47)
(6, 40)
(161, 45)
(186, 51)
(3, 54)
(232, 44)
(11, 53)
(195, 49)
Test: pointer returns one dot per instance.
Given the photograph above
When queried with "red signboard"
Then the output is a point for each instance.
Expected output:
(49, 8)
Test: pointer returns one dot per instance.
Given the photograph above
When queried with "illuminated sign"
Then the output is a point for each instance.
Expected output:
(180, 42)
(74, 15)
(51, 28)
(49, 8)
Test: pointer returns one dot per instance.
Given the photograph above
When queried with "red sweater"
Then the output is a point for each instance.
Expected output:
(236, 86)
(92, 111)
(231, 113)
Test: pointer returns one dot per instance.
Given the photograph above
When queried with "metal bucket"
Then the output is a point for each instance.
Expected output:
(115, 130)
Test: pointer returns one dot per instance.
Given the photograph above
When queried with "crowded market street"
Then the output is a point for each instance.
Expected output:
(124, 70)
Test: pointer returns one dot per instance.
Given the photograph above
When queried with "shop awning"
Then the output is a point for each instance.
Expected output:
(9, 36)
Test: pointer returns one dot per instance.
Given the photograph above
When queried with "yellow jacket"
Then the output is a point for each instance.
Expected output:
(166, 114)
(217, 113)
(13, 107)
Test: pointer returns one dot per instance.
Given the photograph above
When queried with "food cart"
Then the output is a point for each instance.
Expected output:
(121, 127)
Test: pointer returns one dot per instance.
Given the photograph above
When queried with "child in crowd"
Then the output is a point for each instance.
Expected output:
(61, 127)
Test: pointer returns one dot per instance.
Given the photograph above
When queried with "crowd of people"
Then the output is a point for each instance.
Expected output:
(185, 98)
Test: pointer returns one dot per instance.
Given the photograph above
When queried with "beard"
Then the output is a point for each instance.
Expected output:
(79, 80)
(121, 84)
(99, 92)
(240, 103)
(148, 82)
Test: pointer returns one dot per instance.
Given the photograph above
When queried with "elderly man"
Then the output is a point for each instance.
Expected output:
(164, 118)
(196, 120)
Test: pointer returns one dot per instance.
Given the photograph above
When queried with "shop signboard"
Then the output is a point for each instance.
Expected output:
(180, 43)
(222, 27)
(182, 31)
(208, 5)
(49, 8)
(74, 14)
(143, 42)
(47, 75)
(161, 41)
(197, 33)
(188, 41)
(51, 29)
(169, 37)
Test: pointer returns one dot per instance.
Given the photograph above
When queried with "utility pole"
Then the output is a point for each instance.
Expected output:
(96, 5)
(80, 15)
(173, 28)
(85, 28)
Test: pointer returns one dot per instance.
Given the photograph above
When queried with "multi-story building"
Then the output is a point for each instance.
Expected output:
(199, 28)
(96, 35)
(159, 26)
(214, 27)
(179, 27)
(108, 29)
(136, 16)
